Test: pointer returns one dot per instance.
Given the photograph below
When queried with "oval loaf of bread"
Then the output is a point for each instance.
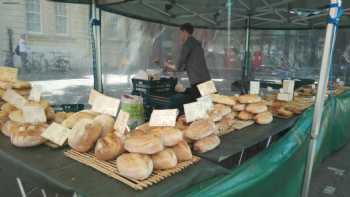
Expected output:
(135, 166)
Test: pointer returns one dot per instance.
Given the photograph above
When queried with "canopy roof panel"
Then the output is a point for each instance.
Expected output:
(212, 14)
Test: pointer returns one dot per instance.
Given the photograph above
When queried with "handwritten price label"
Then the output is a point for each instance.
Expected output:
(194, 111)
(122, 122)
(56, 133)
(163, 118)
(207, 88)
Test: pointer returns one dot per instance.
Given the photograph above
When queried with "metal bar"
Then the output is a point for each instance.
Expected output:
(229, 14)
(261, 9)
(155, 9)
(268, 141)
(321, 91)
(43, 193)
(244, 4)
(97, 39)
(246, 51)
(20, 185)
(196, 14)
(241, 157)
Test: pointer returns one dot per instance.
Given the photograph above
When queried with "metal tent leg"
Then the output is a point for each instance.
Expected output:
(241, 157)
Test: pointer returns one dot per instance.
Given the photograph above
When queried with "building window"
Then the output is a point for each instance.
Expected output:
(61, 18)
(33, 15)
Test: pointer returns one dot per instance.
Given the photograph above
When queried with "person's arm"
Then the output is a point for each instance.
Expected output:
(182, 61)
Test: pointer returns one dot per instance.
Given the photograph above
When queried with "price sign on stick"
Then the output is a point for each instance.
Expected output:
(33, 114)
(194, 111)
(254, 87)
(8, 74)
(207, 88)
(56, 133)
(163, 118)
(35, 93)
(206, 102)
(121, 123)
(104, 104)
(14, 98)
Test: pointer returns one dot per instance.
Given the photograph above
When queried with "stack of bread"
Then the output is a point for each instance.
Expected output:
(12, 123)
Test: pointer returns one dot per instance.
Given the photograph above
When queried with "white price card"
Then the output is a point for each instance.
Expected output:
(206, 102)
(14, 98)
(8, 74)
(34, 114)
(207, 88)
(163, 118)
(254, 87)
(35, 93)
(56, 133)
(105, 104)
(288, 86)
(122, 122)
(194, 111)
(93, 95)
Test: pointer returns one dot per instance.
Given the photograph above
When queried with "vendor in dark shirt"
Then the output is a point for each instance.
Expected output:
(191, 60)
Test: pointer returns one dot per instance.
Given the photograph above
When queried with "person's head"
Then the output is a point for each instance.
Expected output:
(186, 30)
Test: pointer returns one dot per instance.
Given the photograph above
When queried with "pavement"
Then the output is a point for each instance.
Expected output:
(332, 178)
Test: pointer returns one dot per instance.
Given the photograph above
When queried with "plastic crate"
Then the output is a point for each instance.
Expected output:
(68, 107)
(154, 87)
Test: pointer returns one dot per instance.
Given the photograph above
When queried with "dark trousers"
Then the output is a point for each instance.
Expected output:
(193, 92)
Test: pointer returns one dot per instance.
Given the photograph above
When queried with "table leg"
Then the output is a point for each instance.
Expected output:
(20, 185)
(268, 141)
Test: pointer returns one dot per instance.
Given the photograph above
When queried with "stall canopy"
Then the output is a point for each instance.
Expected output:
(212, 14)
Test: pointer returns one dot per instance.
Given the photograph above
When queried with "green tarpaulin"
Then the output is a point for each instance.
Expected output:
(264, 14)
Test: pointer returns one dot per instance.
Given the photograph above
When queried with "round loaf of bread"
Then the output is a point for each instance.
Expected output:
(74, 118)
(7, 107)
(84, 135)
(170, 136)
(108, 147)
(60, 117)
(222, 109)
(107, 123)
(9, 127)
(182, 151)
(206, 144)
(143, 144)
(144, 127)
(256, 108)
(215, 115)
(28, 135)
(285, 113)
(238, 107)
(244, 115)
(264, 118)
(135, 166)
(248, 98)
(5, 85)
(226, 123)
(165, 159)
(200, 129)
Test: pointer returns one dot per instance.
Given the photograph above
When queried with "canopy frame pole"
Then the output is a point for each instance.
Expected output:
(245, 73)
(321, 91)
(229, 14)
(97, 58)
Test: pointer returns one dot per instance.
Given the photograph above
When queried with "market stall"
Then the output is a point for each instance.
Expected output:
(203, 172)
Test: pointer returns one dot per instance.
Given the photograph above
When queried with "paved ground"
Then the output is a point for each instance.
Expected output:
(332, 178)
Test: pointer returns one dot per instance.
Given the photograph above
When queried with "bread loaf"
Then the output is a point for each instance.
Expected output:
(244, 115)
(3, 118)
(60, 117)
(144, 144)
(144, 127)
(226, 123)
(182, 151)
(28, 135)
(200, 129)
(238, 107)
(84, 135)
(21, 85)
(135, 166)
(248, 98)
(170, 136)
(164, 159)
(7, 107)
(108, 147)
(285, 113)
(50, 114)
(222, 109)
(256, 108)
(107, 123)
(227, 100)
(206, 144)
(5, 85)
(264, 118)
(74, 118)
(9, 127)
(214, 115)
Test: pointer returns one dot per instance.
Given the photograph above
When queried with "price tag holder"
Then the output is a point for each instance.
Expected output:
(207, 88)
(14, 98)
(56, 133)
(35, 93)
(8, 74)
(34, 114)
(163, 118)
(194, 111)
(104, 104)
(121, 123)
(254, 87)
(206, 102)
